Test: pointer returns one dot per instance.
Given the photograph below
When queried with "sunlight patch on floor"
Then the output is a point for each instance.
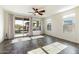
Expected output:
(53, 48)
(20, 39)
(37, 37)
(36, 51)
(26, 38)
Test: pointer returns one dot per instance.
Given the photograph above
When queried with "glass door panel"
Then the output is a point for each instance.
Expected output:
(18, 28)
(21, 27)
(26, 27)
(36, 27)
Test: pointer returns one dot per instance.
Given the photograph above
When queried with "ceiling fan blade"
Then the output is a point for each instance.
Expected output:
(36, 10)
(42, 11)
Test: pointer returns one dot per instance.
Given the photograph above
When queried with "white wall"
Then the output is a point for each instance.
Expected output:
(8, 25)
(1, 25)
(57, 26)
(9, 28)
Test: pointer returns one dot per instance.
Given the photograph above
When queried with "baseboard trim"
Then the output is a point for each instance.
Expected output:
(63, 39)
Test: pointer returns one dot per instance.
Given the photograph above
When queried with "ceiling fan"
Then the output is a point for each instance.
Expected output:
(37, 11)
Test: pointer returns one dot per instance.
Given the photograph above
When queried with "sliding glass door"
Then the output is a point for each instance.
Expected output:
(36, 27)
(26, 27)
(21, 27)
(18, 28)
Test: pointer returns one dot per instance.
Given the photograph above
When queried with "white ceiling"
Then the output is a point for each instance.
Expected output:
(24, 9)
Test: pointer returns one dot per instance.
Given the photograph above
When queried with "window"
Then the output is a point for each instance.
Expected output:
(49, 26)
(69, 23)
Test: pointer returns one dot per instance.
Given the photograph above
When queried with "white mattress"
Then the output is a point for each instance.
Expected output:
(20, 39)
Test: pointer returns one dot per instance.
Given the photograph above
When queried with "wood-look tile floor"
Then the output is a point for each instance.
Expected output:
(23, 47)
